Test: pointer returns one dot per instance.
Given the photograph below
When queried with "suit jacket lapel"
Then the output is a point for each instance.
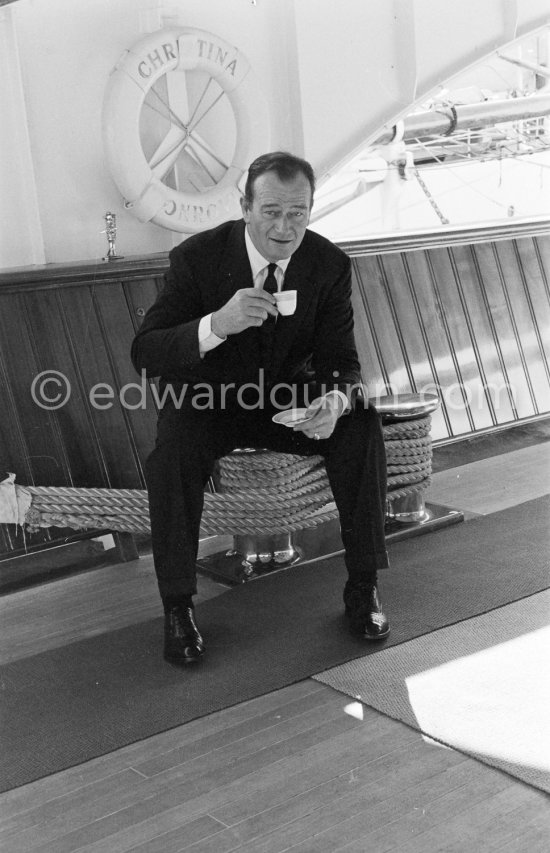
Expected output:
(235, 273)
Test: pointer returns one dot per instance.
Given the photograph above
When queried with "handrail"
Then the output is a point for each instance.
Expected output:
(460, 235)
(48, 276)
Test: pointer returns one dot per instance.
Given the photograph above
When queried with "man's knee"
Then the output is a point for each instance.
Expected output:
(365, 408)
(367, 416)
(363, 416)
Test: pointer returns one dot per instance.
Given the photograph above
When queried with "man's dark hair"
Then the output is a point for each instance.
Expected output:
(286, 166)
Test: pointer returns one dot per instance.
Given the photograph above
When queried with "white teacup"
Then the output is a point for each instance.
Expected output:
(286, 301)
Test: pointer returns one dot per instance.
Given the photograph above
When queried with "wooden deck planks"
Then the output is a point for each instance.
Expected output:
(496, 483)
(291, 770)
(68, 783)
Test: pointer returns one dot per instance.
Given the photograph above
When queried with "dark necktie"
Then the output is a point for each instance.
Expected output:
(270, 283)
(267, 332)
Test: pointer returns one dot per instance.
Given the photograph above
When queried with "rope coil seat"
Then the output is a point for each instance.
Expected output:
(249, 478)
(260, 492)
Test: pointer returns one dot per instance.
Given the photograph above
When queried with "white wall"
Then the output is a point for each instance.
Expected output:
(333, 72)
(20, 231)
(67, 49)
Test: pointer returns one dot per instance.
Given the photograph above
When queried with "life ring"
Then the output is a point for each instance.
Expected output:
(146, 196)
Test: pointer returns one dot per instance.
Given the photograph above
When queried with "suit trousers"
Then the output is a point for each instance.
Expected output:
(190, 440)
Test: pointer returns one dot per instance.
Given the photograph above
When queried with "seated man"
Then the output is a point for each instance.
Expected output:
(228, 362)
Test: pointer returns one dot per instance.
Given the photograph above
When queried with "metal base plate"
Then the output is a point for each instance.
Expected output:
(317, 543)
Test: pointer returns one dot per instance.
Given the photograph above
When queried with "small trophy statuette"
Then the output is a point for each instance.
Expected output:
(110, 231)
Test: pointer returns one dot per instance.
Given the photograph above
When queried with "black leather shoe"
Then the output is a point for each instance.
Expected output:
(182, 640)
(364, 611)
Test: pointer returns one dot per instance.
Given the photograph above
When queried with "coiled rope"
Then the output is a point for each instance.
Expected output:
(260, 491)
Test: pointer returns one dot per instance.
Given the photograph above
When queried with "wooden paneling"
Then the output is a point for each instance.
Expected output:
(78, 322)
(471, 321)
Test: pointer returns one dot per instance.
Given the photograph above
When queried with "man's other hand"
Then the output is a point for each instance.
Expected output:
(323, 414)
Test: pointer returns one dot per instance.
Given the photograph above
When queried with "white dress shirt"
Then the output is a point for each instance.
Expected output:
(258, 264)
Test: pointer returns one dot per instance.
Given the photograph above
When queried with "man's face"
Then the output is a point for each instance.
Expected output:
(279, 214)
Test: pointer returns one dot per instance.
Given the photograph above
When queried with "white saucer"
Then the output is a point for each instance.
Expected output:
(291, 418)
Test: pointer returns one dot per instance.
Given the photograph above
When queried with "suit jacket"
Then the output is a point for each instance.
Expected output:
(316, 342)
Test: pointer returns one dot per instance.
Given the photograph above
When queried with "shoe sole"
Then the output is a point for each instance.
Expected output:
(178, 660)
(370, 638)
(182, 661)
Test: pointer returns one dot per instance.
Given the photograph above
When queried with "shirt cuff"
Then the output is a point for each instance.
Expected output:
(207, 339)
(343, 398)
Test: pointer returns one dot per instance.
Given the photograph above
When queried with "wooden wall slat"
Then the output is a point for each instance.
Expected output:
(498, 387)
(119, 325)
(140, 294)
(535, 269)
(29, 443)
(536, 314)
(366, 334)
(436, 363)
(513, 373)
(47, 459)
(480, 331)
(465, 340)
(541, 246)
(412, 352)
(99, 422)
(13, 446)
(58, 349)
(521, 321)
(373, 298)
(453, 320)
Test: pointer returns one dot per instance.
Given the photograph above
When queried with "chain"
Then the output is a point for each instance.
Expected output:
(431, 199)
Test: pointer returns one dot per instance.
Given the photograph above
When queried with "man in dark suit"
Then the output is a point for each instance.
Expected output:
(228, 362)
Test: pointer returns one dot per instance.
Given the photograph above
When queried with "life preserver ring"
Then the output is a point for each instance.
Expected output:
(146, 196)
